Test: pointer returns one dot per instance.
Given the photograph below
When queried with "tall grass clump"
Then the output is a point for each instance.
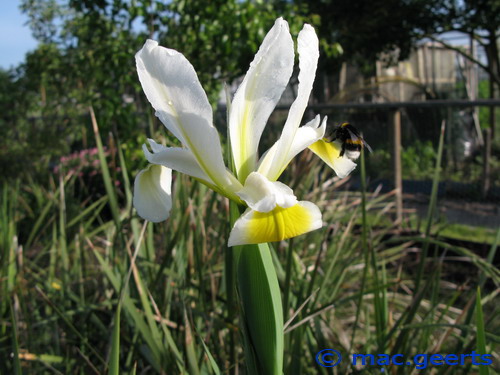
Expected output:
(79, 297)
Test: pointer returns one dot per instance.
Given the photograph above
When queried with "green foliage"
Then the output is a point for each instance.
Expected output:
(484, 112)
(86, 57)
(366, 29)
(68, 278)
(219, 38)
(418, 160)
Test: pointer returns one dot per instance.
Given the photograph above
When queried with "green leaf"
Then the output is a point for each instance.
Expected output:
(211, 359)
(114, 360)
(15, 343)
(481, 337)
(262, 310)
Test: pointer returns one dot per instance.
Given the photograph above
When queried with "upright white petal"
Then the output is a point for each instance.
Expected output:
(258, 95)
(172, 86)
(304, 137)
(153, 194)
(308, 48)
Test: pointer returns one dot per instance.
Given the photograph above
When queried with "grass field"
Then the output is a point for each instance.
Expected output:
(87, 287)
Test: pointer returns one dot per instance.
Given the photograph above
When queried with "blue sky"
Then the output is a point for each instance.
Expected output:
(15, 35)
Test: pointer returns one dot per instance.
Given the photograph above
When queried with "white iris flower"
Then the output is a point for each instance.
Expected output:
(172, 86)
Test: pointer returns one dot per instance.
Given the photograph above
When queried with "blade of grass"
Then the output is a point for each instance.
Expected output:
(42, 219)
(15, 342)
(231, 258)
(408, 316)
(489, 258)
(108, 183)
(190, 347)
(63, 246)
(168, 337)
(66, 320)
(481, 337)
(211, 359)
(288, 277)
(114, 360)
(135, 318)
(432, 208)
(95, 206)
(124, 172)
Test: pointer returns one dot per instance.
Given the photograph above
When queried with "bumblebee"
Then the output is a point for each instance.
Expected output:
(349, 138)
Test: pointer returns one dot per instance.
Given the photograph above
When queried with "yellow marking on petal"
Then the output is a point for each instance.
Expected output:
(327, 151)
(280, 224)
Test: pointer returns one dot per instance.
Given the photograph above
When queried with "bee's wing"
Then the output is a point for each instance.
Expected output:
(367, 145)
(353, 132)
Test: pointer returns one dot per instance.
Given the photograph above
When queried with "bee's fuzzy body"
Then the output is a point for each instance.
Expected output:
(350, 139)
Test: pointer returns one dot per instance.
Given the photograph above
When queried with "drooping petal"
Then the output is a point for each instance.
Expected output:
(276, 225)
(183, 160)
(263, 195)
(258, 95)
(177, 158)
(172, 86)
(329, 152)
(308, 49)
(304, 137)
(153, 193)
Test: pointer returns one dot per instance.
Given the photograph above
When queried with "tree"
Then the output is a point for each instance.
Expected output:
(480, 20)
(366, 29)
(86, 57)
(370, 29)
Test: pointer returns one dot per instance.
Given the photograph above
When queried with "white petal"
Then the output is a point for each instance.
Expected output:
(153, 194)
(329, 152)
(308, 48)
(304, 137)
(156, 147)
(263, 195)
(258, 95)
(277, 225)
(177, 158)
(172, 86)
(343, 167)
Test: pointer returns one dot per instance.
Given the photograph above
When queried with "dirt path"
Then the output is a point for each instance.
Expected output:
(476, 214)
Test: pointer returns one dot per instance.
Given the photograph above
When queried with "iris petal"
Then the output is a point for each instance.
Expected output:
(172, 86)
(329, 152)
(304, 137)
(276, 225)
(177, 158)
(258, 95)
(263, 195)
(153, 194)
(308, 49)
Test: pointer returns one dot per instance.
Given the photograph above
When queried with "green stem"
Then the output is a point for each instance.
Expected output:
(366, 250)
(286, 294)
(262, 311)
(231, 258)
(431, 211)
